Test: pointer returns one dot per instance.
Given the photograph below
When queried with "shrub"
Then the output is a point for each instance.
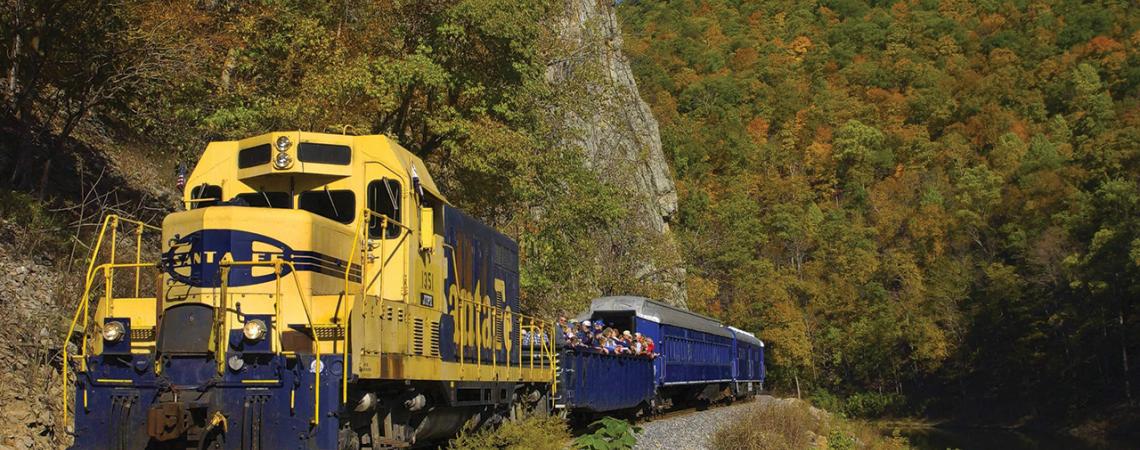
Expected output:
(794, 425)
(825, 400)
(780, 425)
(872, 404)
(609, 434)
(539, 433)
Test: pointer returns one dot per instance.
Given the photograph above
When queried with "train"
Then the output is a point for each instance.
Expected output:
(699, 361)
(318, 291)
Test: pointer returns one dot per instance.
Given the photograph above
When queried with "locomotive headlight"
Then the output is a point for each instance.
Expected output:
(283, 143)
(114, 331)
(282, 161)
(254, 330)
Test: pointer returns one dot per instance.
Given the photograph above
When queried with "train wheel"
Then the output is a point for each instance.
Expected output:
(214, 440)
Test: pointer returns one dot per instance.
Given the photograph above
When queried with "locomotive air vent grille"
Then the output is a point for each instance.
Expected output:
(389, 313)
(400, 314)
(434, 339)
(329, 332)
(142, 334)
(418, 336)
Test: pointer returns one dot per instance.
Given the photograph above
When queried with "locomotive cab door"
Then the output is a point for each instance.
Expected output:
(379, 316)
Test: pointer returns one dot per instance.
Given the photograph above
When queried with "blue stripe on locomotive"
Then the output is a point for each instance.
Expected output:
(482, 256)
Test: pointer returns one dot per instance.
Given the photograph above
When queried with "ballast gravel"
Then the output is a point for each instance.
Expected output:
(691, 431)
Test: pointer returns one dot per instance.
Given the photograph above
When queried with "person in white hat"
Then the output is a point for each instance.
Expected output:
(584, 333)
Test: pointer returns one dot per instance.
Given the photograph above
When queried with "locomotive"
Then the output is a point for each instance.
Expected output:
(317, 292)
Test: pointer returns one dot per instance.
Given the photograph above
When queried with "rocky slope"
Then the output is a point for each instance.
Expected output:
(29, 354)
(43, 253)
(620, 138)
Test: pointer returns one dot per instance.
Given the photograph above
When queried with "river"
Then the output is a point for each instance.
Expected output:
(998, 439)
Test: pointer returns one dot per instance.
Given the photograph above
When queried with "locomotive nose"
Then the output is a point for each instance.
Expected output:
(197, 241)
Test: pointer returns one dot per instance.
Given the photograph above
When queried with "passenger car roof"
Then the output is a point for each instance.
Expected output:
(655, 311)
(746, 336)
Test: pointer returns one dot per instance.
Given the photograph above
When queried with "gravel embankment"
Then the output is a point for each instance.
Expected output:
(691, 431)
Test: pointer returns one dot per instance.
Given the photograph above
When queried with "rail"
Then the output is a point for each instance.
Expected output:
(111, 223)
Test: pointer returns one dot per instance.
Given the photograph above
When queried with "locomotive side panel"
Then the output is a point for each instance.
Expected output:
(481, 290)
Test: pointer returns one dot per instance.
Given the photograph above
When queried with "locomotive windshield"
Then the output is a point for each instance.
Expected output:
(263, 199)
(339, 205)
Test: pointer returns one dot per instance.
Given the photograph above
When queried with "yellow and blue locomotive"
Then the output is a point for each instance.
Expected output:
(317, 292)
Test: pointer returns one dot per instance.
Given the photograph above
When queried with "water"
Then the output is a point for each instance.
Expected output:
(997, 439)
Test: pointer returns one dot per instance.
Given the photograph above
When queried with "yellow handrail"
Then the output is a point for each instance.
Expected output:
(277, 263)
(361, 232)
(110, 221)
(82, 310)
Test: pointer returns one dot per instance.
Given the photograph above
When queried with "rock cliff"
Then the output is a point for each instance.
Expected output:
(620, 138)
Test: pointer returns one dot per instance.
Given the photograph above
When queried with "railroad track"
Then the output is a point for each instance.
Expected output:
(691, 428)
(580, 426)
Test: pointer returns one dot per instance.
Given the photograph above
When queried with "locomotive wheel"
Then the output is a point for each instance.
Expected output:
(215, 440)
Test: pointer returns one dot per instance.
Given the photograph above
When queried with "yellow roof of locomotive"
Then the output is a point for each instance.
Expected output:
(219, 160)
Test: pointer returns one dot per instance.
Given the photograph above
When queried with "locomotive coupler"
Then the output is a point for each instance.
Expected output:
(167, 421)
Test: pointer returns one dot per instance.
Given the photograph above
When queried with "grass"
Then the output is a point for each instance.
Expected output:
(795, 425)
(538, 433)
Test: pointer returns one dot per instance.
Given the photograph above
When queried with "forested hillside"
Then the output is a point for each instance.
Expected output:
(463, 84)
(936, 200)
(100, 102)
(921, 205)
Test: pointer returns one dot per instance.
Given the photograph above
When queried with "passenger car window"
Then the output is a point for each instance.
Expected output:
(337, 205)
(384, 198)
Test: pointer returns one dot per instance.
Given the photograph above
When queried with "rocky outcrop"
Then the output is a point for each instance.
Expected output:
(619, 136)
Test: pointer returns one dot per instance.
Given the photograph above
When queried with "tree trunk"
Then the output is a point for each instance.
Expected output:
(796, 376)
(1124, 353)
(15, 58)
(44, 178)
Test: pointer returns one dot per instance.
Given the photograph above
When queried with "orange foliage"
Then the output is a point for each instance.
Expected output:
(743, 58)
(1104, 44)
(758, 130)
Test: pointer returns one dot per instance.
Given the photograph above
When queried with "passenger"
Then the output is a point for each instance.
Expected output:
(638, 344)
(599, 336)
(608, 333)
(561, 336)
(622, 343)
(629, 342)
(649, 347)
(584, 334)
(608, 346)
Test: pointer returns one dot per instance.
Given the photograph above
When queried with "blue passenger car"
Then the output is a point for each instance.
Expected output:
(597, 382)
(747, 363)
(699, 358)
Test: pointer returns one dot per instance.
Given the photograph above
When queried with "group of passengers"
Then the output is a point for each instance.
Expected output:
(604, 339)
